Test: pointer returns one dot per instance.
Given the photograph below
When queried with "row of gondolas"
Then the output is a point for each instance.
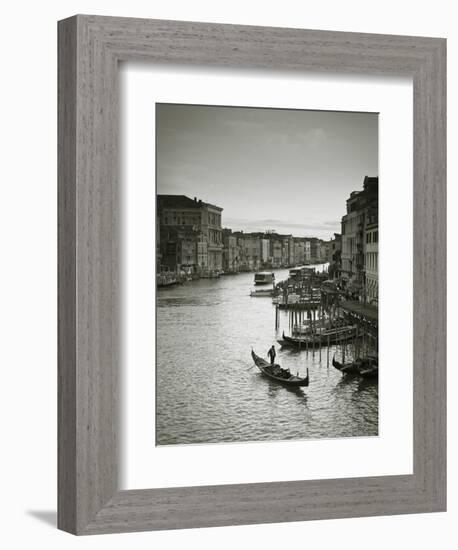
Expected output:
(365, 367)
(337, 334)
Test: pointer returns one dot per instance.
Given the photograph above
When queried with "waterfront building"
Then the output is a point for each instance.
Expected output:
(247, 248)
(262, 250)
(302, 251)
(198, 224)
(281, 249)
(276, 251)
(317, 253)
(190, 238)
(299, 251)
(265, 252)
(307, 251)
(352, 240)
(179, 248)
(371, 257)
(202, 255)
(251, 251)
(213, 231)
(231, 252)
(334, 259)
(284, 252)
(291, 258)
(324, 251)
(361, 206)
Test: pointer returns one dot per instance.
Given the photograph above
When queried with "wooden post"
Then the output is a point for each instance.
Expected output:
(320, 319)
(356, 346)
(327, 354)
(343, 349)
(307, 336)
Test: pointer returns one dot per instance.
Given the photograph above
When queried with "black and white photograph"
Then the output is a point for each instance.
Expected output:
(267, 274)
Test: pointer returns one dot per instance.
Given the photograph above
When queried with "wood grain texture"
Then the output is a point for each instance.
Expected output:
(67, 437)
(90, 48)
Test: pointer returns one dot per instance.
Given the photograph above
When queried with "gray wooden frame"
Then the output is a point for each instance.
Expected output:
(90, 48)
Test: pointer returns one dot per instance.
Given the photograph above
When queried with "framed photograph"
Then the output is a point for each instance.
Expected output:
(252, 267)
(274, 233)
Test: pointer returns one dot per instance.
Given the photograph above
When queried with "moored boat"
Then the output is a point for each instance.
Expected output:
(319, 338)
(264, 278)
(166, 279)
(261, 293)
(367, 367)
(345, 368)
(275, 372)
(369, 372)
(309, 326)
(302, 304)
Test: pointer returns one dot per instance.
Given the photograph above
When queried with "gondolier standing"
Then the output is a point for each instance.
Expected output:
(272, 354)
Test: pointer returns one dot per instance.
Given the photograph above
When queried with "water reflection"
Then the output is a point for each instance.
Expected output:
(275, 388)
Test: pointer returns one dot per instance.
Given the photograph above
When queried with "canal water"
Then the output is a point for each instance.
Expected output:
(207, 390)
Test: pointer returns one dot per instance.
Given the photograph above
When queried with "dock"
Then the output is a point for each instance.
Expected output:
(363, 311)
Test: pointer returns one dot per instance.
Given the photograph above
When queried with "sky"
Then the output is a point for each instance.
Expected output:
(269, 169)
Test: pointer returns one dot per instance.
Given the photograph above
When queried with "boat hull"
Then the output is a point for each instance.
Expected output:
(369, 373)
(264, 278)
(318, 340)
(356, 369)
(293, 381)
(345, 368)
(263, 293)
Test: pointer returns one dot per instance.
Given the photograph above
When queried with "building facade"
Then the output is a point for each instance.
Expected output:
(318, 251)
(362, 209)
(265, 252)
(371, 257)
(307, 251)
(213, 233)
(334, 258)
(231, 252)
(190, 235)
(299, 251)
(251, 251)
(190, 239)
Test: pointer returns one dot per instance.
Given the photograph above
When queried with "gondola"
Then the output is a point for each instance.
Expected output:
(369, 367)
(365, 367)
(313, 304)
(331, 336)
(369, 372)
(345, 368)
(275, 372)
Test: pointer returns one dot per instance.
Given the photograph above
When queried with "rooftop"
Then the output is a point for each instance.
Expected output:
(182, 201)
